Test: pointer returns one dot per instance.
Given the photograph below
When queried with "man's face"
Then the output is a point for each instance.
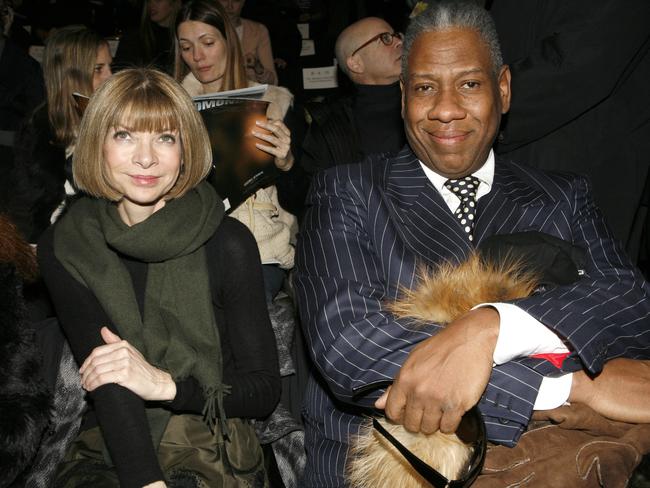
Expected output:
(382, 63)
(451, 101)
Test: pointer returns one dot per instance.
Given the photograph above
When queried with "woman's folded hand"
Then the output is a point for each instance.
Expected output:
(121, 363)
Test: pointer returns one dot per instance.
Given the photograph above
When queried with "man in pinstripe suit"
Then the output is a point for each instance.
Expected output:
(371, 226)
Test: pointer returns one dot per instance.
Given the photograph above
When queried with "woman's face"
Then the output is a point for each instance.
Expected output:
(162, 12)
(142, 166)
(203, 50)
(102, 70)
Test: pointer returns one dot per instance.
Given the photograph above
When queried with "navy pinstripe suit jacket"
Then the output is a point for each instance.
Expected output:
(371, 225)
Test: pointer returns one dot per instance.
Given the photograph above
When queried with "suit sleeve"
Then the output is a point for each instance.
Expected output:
(340, 291)
(605, 314)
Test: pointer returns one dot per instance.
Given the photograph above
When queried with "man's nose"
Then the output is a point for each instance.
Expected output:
(447, 106)
(144, 155)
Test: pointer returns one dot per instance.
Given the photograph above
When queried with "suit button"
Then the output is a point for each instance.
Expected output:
(504, 421)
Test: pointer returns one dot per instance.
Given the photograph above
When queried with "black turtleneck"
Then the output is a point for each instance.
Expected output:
(377, 117)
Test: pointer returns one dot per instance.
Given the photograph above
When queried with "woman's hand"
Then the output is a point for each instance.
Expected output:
(156, 484)
(279, 138)
(119, 362)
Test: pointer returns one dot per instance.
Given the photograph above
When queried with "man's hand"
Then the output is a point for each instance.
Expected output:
(445, 375)
(620, 392)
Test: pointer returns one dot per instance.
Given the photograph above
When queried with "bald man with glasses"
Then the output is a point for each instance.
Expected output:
(368, 121)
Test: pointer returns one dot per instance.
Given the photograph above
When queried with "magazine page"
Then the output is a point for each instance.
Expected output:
(239, 167)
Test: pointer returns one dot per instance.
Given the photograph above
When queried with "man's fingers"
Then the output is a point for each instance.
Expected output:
(395, 404)
(412, 417)
(450, 420)
(380, 403)
(430, 421)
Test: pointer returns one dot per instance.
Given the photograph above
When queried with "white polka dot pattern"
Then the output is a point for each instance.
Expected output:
(465, 189)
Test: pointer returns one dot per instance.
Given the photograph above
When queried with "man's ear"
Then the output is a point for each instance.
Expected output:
(355, 64)
(503, 83)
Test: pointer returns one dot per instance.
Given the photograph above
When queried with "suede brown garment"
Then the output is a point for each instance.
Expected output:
(568, 446)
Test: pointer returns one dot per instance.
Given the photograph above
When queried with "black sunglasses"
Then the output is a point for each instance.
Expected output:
(385, 37)
(471, 431)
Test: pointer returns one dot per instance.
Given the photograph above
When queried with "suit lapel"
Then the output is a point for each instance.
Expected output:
(512, 205)
(422, 218)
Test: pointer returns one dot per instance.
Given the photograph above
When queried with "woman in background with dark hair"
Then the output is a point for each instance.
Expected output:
(152, 45)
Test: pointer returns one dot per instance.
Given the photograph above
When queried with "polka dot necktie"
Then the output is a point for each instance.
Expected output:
(465, 189)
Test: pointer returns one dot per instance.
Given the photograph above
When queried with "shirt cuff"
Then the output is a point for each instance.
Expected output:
(521, 335)
(553, 392)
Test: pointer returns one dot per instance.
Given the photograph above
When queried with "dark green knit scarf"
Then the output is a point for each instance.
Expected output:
(178, 332)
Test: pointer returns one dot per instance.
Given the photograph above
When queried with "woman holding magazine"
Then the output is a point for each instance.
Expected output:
(209, 60)
(157, 292)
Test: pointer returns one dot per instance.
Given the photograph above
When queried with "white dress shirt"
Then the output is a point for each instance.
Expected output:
(520, 334)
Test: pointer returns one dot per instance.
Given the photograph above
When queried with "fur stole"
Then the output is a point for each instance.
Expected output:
(441, 296)
(25, 401)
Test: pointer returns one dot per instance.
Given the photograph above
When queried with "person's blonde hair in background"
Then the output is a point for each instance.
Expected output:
(145, 101)
(76, 59)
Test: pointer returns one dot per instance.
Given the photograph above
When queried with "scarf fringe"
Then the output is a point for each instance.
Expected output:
(213, 410)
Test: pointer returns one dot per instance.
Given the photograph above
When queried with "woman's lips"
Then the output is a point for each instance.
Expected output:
(144, 180)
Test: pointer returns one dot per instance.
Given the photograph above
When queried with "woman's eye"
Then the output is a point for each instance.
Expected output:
(121, 135)
(185, 48)
(168, 138)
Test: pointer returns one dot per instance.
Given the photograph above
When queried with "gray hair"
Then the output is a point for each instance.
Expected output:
(448, 14)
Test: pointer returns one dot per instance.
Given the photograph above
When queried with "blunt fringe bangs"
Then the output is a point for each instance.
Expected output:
(140, 100)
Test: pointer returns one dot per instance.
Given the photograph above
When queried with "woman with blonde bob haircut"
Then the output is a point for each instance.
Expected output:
(157, 291)
(153, 103)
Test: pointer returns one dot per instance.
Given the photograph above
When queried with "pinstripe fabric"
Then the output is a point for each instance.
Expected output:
(368, 229)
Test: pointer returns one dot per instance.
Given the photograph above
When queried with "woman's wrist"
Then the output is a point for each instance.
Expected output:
(285, 164)
(167, 388)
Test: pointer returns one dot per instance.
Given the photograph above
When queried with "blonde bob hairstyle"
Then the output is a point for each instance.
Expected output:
(145, 100)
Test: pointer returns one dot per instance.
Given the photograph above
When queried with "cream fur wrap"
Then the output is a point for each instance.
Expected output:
(442, 295)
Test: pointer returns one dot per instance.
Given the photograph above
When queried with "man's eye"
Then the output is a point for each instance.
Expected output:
(422, 88)
(471, 84)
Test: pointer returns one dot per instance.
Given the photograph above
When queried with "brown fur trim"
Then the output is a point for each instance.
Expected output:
(451, 290)
(442, 296)
(16, 250)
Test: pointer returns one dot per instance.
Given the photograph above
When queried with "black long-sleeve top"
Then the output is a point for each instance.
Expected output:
(250, 363)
